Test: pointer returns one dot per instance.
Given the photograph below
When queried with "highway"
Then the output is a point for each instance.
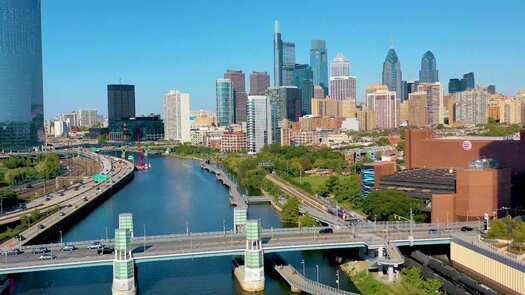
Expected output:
(116, 169)
(183, 246)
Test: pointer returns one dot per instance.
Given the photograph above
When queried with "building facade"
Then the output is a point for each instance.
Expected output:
(471, 107)
(428, 72)
(141, 128)
(21, 90)
(284, 59)
(386, 108)
(459, 85)
(225, 102)
(88, 118)
(121, 102)
(303, 79)
(239, 94)
(285, 105)
(392, 75)
(259, 83)
(434, 103)
(233, 141)
(259, 124)
(177, 116)
(319, 64)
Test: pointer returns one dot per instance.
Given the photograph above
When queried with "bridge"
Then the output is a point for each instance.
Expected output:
(251, 243)
(300, 283)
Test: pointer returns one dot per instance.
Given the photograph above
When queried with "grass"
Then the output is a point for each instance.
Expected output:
(315, 181)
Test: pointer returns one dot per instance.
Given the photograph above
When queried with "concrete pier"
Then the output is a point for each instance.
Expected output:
(123, 264)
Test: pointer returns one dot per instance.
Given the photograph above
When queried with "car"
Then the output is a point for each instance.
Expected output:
(85, 199)
(432, 231)
(47, 257)
(105, 250)
(62, 213)
(48, 198)
(61, 194)
(69, 205)
(326, 231)
(69, 248)
(466, 228)
(20, 237)
(41, 250)
(10, 252)
(41, 226)
(98, 188)
(96, 246)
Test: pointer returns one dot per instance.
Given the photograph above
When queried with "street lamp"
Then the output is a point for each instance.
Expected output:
(317, 272)
(304, 270)
(61, 241)
(337, 278)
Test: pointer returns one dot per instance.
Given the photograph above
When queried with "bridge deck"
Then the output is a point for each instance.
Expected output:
(300, 283)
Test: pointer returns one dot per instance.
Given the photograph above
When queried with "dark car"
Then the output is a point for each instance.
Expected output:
(326, 231)
(10, 252)
(20, 237)
(41, 226)
(40, 250)
(466, 228)
(105, 250)
(432, 231)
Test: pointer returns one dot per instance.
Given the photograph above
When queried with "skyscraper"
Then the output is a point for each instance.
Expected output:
(468, 81)
(428, 72)
(239, 94)
(121, 102)
(225, 102)
(284, 59)
(434, 102)
(459, 85)
(303, 79)
(319, 63)
(21, 94)
(177, 116)
(259, 83)
(259, 123)
(342, 85)
(471, 107)
(285, 105)
(392, 72)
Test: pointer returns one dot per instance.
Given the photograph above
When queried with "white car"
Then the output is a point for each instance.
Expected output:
(47, 257)
(95, 246)
(69, 248)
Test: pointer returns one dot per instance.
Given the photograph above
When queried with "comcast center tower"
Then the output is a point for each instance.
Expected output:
(21, 93)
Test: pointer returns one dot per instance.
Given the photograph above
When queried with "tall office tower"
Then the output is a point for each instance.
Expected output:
(428, 72)
(434, 103)
(21, 94)
(319, 92)
(407, 87)
(177, 116)
(286, 105)
(468, 81)
(259, 83)
(458, 85)
(87, 118)
(73, 118)
(342, 85)
(392, 72)
(259, 124)
(239, 94)
(471, 107)
(121, 102)
(284, 59)
(319, 64)
(386, 107)
(225, 102)
(303, 79)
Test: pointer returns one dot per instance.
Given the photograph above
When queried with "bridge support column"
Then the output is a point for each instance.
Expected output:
(123, 264)
(251, 275)
(391, 273)
(240, 214)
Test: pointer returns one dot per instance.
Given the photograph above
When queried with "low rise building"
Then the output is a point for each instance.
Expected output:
(233, 141)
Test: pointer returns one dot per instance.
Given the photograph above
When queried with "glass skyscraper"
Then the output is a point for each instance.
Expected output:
(225, 102)
(392, 73)
(303, 79)
(121, 102)
(21, 91)
(428, 72)
(284, 59)
(285, 105)
(319, 63)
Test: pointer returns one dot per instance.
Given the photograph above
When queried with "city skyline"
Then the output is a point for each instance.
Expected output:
(68, 69)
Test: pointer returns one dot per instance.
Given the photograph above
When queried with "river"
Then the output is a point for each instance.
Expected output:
(171, 197)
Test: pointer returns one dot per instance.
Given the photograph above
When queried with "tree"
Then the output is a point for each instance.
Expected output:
(386, 205)
(500, 229)
(290, 213)
(102, 139)
(308, 221)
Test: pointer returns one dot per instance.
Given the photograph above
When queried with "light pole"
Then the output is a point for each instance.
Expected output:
(61, 241)
(304, 270)
(224, 226)
(187, 228)
(144, 237)
(317, 272)
(337, 278)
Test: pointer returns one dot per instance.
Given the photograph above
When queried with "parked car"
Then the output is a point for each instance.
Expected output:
(41, 226)
(466, 228)
(326, 231)
(10, 252)
(20, 237)
(62, 213)
(47, 256)
(105, 250)
(432, 231)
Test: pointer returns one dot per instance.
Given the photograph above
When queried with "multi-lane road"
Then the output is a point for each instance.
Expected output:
(72, 199)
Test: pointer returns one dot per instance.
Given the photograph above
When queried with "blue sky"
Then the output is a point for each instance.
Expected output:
(171, 44)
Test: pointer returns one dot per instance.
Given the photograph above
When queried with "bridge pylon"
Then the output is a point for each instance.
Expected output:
(240, 215)
(251, 275)
(123, 264)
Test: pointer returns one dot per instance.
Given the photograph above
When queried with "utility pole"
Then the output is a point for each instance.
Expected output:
(317, 272)
(337, 278)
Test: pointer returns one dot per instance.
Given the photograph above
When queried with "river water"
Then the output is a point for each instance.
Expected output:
(171, 197)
